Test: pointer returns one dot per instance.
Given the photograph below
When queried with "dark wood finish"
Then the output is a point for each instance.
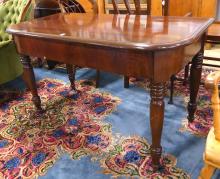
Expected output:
(154, 48)
(212, 37)
(156, 120)
(137, 11)
(29, 79)
(69, 6)
(97, 78)
(45, 8)
(126, 82)
(71, 70)
(165, 7)
(172, 79)
(195, 78)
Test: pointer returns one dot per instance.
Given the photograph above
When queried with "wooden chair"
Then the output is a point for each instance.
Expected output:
(69, 6)
(129, 10)
(65, 6)
(212, 148)
(186, 73)
(212, 37)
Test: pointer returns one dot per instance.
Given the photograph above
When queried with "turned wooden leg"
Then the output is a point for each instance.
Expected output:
(71, 71)
(97, 78)
(186, 74)
(29, 79)
(207, 172)
(156, 121)
(126, 82)
(172, 79)
(39, 62)
(195, 77)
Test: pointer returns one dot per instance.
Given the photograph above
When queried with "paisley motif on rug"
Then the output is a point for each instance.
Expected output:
(130, 157)
(72, 123)
(203, 116)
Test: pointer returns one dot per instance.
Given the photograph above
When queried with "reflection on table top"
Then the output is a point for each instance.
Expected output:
(121, 31)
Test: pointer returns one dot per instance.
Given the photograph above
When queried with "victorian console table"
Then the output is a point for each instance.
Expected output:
(131, 45)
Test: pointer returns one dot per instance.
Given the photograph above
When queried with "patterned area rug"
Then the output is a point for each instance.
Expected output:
(203, 118)
(131, 157)
(30, 144)
(7, 95)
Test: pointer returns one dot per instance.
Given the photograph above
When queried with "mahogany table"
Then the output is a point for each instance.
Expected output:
(139, 46)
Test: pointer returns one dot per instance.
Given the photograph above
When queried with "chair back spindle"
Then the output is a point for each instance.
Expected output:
(137, 6)
(68, 6)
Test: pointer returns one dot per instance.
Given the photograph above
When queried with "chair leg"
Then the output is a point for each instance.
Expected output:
(186, 75)
(172, 79)
(39, 62)
(207, 172)
(126, 82)
(71, 71)
(97, 78)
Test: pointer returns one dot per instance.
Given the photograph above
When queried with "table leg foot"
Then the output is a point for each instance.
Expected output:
(126, 82)
(30, 81)
(156, 155)
(71, 71)
(156, 121)
(97, 79)
(195, 77)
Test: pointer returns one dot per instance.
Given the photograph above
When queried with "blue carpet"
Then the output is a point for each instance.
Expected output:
(130, 118)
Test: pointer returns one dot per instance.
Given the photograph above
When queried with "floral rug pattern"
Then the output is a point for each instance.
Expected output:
(72, 123)
(30, 144)
(203, 116)
(131, 157)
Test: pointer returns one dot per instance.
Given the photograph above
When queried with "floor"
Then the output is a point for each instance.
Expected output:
(132, 118)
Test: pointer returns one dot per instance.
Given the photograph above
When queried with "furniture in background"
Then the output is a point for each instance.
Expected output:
(11, 12)
(199, 8)
(125, 7)
(69, 6)
(212, 37)
(212, 149)
(45, 8)
(136, 8)
(87, 5)
(151, 55)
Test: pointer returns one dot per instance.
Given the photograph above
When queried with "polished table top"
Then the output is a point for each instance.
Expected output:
(139, 46)
(120, 31)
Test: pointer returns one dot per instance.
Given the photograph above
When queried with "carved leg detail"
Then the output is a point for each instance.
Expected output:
(156, 121)
(126, 82)
(195, 77)
(29, 79)
(207, 172)
(71, 71)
